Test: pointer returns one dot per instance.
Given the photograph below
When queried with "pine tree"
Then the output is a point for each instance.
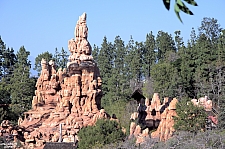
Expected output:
(149, 54)
(178, 40)
(22, 86)
(119, 82)
(164, 43)
(4, 100)
(129, 67)
(189, 117)
(105, 64)
(136, 62)
(95, 53)
(2, 49)
(63, 59)
(7, 62)
(205, 58)
(210, 28)
(187, 71)
(219, 78)
(165, 72)
(176, 60)
(164, 77)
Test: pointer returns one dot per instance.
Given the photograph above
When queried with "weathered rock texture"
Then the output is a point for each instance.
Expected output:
(9, 135)
(153, 115)
(71, 97)
(203, 101)
(212, 113)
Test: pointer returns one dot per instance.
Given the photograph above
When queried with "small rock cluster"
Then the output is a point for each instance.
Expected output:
(203, 101)
(9, 134)
(153, 115)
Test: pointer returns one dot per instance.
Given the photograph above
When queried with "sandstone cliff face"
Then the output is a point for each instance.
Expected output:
(70, 96)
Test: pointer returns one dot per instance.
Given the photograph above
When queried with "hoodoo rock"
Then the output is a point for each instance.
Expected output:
(153, 115)
(70, 97)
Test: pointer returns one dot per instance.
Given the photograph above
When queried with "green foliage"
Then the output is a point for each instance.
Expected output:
(60, 59)
(104, 132)
(180, 6)
(4, 92)
(16, 86)
(164, 44)
(123, 110)
(149, 54)
(189, 117)
(136, 61)
(161, 63)
(221, 119)
(187, 140)
(95, 53)
(164, 79)
(7, 62)
(113, 64)
(221, 116)
(187, 71)
(4, 100)
(210, 28)
(105, 63)
(119, 85)
(164, 64)
(22, 86)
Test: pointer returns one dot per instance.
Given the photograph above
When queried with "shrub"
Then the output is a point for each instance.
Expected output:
(123, 110)
(190, 117)
(221, 116)
(104, 132)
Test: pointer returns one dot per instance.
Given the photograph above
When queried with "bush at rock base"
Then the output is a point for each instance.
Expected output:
(104, 132)
(190, 118)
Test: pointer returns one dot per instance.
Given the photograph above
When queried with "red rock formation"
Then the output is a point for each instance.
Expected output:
(165, 129)
(159, 117)
(71, 96)
(204, 102)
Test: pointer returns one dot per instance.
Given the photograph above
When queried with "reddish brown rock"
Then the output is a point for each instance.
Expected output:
(70, 96)
(132, 128)
(137, 130)
(204, 102)
(157, 116)
(208, 105)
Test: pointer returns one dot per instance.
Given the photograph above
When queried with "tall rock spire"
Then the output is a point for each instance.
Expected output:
(70, 96)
